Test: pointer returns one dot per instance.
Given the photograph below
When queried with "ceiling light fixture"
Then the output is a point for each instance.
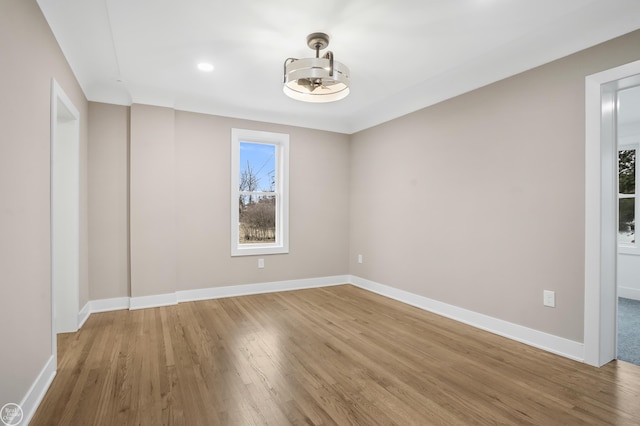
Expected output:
(319, 79)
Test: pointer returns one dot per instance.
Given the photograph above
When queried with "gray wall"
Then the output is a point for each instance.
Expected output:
(318, 200)
(180, 197)
(30, 59)
(108, 201)
(478, 202)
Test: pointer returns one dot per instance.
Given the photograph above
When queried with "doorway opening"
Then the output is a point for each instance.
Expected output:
(601, 210)
(65, 207)
(628, 266)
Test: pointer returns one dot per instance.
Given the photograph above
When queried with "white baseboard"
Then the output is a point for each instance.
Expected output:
(232, 291)
(548, 342)
(269, 287)
(153, 301)
(539, 339)
(33, 398)
(102, 305)
(107, 305)
(629, 293)
(83, 315)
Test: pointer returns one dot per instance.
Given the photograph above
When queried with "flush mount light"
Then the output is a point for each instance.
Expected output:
(319, 79)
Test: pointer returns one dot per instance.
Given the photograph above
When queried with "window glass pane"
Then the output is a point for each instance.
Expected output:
(257, 219)
(257, 167)
(626, 226)
(259, 193)
(627, 171)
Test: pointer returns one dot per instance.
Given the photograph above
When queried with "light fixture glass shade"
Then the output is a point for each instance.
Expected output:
(311, 80)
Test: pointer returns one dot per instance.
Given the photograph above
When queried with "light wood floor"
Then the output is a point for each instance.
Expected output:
(337, 355)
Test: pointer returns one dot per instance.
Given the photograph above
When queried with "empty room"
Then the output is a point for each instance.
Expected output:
(352, 212)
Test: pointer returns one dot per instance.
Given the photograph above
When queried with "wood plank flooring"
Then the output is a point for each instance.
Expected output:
(329, 356)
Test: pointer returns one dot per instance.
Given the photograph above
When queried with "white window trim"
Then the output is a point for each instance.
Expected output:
(281, 141)
(622, 247)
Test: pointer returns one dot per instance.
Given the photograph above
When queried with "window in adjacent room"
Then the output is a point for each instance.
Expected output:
(259, 192)
(627, 204)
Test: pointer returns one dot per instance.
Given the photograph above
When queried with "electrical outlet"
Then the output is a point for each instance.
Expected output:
(359, 258)
(549, 298)
(260, 263)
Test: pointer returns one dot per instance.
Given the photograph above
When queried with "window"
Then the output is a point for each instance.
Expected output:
(259, 192)
(627, 207)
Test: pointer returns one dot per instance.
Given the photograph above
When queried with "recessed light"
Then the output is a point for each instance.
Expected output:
(205, 66)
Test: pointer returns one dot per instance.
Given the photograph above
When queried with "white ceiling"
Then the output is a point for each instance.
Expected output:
(403, 54)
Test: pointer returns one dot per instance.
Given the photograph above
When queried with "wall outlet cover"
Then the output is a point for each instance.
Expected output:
(549, 298)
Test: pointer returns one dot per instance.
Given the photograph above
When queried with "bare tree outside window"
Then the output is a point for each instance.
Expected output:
(259, 193)
(626, 196)
(257, 202)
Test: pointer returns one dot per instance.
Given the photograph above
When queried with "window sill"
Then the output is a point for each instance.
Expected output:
(258, 250)
(633, 251)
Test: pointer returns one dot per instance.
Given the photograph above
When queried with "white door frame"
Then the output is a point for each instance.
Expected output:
(600, 292)
(65, 217)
